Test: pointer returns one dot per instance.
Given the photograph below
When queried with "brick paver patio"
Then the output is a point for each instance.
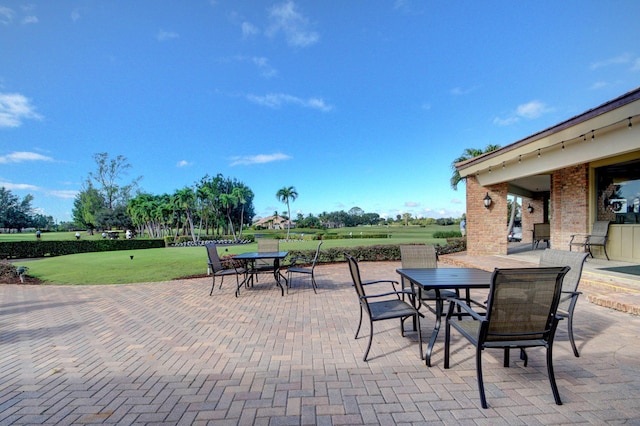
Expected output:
(167, 353)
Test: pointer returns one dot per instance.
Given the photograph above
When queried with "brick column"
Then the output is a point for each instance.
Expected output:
(486, 228)
(569, 212)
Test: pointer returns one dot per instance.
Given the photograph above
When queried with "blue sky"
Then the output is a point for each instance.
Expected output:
(354, 103)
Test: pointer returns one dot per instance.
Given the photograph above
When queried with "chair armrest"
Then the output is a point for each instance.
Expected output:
(390, 293)
(393, 283)
(463, 306)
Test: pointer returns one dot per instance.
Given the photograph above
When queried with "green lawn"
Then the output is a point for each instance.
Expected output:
(164, 264)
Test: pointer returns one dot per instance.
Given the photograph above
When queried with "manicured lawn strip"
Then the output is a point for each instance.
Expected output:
(166, 264)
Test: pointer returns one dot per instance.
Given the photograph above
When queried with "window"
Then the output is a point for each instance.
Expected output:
(618, 189)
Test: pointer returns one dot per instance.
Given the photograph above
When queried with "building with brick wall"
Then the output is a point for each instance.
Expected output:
(582, 170)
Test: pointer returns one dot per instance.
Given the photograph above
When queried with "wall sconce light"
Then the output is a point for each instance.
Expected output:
(530, 209)
(487, 201)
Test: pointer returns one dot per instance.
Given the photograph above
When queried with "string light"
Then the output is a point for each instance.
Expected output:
(562, 143)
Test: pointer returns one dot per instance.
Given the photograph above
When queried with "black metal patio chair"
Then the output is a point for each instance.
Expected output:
(218, 269)
(570, 293)
(309, 271)
(383, 306)
(521, 313)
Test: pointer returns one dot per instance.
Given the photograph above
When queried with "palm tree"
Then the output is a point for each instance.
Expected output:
(241, 194)
(184, 201)
(468, 154)
(285, 195)
(229, 202)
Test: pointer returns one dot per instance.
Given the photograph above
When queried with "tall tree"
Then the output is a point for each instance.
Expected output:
(285, 195)
(87, 205)
(242, 195)
(229, 201)
(468, 154)
(184, 201)
(107, 176)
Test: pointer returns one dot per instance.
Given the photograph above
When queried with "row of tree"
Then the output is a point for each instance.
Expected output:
(17, 214)
(219, 205)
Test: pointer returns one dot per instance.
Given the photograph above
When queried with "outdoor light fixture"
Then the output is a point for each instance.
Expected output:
(530, 208)
(487, 201)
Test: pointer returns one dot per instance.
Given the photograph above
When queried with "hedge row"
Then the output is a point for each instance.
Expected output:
(371, 253)
(30, 249)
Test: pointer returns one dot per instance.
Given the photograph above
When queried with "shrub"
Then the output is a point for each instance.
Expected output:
(447, 234)
(30, 249)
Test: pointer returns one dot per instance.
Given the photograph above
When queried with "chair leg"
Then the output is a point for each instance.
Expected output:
(552, 377)
(359, 323)
(447, 341)
(505, 362)
(483, 399)
(214, 285)
(417, 319)
(313, 283)
(370, 341)
(571, 339)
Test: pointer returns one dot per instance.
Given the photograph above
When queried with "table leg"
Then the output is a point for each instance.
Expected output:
(246, 279)
(436, 328)
(277, 275)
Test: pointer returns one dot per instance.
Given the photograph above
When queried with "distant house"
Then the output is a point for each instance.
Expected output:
(581, 170)
(273, 222)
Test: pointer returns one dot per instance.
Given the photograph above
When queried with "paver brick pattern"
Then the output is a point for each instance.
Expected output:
(168, 353)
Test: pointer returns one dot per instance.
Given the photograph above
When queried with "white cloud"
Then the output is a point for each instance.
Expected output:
(14, 108)
(266, 70)
(529, 111)
(533, 109)
(599, 85)
(459, 91)
(259, 159)
(75, 15)
(625, 58)
(19, 186)
(183, 163)
(411, 204)
(248, 29)
(167, 35)
(67, 194)
(20, 157)
(6, 15)
(30, 20)
(636, 65)
(277, 100)
(286, 19)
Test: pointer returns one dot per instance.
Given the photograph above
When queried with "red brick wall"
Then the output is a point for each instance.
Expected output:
(528, 219)
(486, 228)
(569, 212)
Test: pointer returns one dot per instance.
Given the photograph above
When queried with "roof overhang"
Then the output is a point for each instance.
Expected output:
(596, 134)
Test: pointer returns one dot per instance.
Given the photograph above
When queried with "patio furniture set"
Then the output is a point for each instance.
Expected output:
(520, 308)
(266, 260)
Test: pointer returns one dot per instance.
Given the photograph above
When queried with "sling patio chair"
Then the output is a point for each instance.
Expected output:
(424, 256)
(293, 269)
(597, 238)
(383, 306)
(541, 232)
(521, 313)
(265, 266)
(570, 293)
(218, 269)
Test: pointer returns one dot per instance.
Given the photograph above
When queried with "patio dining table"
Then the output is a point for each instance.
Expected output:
(438, 279)
(250, 259)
